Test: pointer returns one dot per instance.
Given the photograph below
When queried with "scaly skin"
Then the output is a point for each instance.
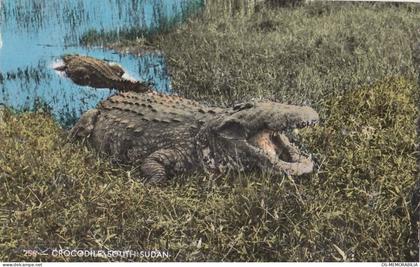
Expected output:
(89, 71)
(169, 135)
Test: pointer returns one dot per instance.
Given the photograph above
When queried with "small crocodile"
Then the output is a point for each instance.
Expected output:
(169, 135)
(89, 71)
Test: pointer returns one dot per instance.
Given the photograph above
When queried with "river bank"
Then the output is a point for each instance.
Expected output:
(299, 54)
(34, 36)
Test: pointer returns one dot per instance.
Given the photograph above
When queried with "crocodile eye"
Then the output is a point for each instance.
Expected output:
(232, 130)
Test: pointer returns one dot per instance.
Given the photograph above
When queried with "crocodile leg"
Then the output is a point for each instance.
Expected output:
(163, 163)
(85, 125)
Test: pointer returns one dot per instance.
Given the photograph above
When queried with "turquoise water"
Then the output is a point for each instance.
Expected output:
(35, 33)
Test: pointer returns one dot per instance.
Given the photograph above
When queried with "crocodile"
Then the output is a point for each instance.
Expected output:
(89, 71)
(167, 135)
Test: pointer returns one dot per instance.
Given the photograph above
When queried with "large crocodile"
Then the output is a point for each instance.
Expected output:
(168, 135)
(89, 71)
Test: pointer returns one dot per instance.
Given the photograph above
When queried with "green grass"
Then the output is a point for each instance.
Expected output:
(354, 207)
(297, 55)
(289, 54)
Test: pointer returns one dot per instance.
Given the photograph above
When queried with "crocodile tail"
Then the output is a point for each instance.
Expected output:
(132, 86)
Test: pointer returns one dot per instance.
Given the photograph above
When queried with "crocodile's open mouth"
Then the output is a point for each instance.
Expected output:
(281, 152)
(59, 66)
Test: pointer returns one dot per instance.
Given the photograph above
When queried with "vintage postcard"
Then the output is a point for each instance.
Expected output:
(209, 131)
